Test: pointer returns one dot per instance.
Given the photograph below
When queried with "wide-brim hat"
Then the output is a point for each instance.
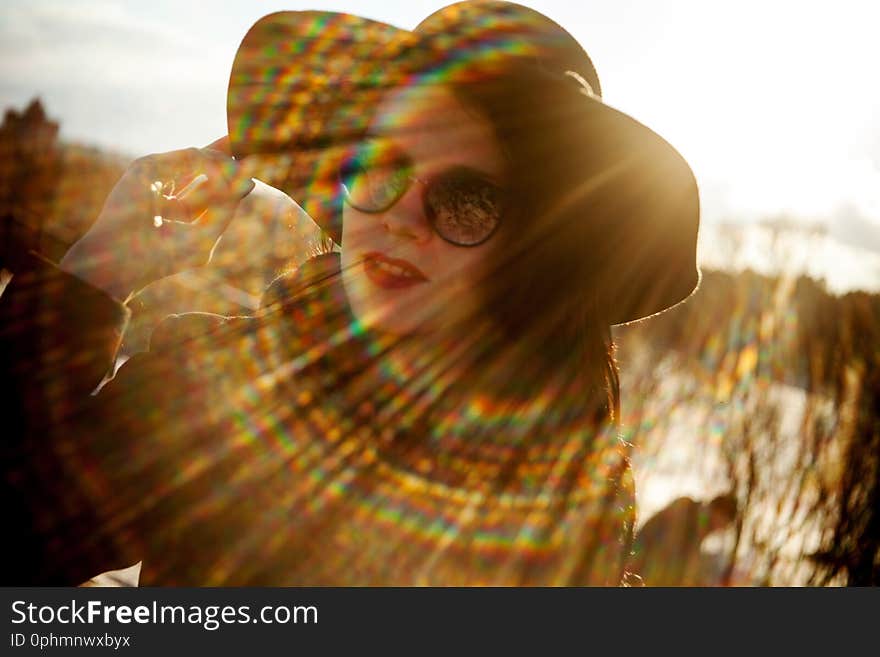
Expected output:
(304, 84)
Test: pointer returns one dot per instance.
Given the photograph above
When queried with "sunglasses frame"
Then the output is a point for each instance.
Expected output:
(427, 185)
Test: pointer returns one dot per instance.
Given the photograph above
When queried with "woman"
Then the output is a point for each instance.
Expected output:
(434, 405)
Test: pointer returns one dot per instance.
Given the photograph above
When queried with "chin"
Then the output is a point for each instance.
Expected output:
(391, 328)
(375, 311)
(394, 319)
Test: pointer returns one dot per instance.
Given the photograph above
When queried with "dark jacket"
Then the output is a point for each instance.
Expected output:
(265, 450)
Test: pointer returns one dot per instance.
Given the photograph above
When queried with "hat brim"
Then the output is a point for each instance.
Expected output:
(302, 89)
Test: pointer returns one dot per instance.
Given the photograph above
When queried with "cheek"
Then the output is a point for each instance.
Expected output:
(352, 229)
(466, 272)
(352, 239)
(358, 237)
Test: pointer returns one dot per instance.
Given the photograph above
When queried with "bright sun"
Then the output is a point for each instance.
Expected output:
(773, 103)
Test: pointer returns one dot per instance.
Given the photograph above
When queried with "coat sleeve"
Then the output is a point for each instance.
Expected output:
(67, 449)
(58, 340)
(76, 464)
(55, 327)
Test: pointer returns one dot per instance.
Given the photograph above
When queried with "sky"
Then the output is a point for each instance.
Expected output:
(774, 103)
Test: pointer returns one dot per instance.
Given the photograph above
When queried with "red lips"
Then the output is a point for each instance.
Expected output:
(391, 273)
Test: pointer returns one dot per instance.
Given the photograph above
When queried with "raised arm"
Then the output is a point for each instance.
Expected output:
(60, 328)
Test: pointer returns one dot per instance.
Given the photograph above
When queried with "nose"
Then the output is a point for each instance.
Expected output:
(406, 218)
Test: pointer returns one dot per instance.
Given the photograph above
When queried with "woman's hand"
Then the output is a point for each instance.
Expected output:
(165, 215)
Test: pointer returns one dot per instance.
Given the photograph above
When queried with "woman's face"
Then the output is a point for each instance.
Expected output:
(399, 274)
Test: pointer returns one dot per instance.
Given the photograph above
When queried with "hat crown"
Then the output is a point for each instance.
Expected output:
(491, 28)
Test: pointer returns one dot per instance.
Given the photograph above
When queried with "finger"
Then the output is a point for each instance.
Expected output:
(173, 164)
(176, 175)
(221, 145)
(252, 167)
(206, 192)
(175, 209)
(215, 220)
(183, 246)
(187, 188)
(185, 165)
(215, 188)
(218, 162)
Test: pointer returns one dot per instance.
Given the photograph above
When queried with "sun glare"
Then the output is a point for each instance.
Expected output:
(770, 102)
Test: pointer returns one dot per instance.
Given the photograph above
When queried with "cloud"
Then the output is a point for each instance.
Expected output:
(850, 226)
(112, 77)
(59, 25)
(90, 41)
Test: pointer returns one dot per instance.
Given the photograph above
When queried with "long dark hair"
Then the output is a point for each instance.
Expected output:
(546, 281)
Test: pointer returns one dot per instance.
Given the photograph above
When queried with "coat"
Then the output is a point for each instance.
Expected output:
(264, 450)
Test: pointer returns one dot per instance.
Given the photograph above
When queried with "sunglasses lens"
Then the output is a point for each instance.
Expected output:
(374, 178)
(464, 207)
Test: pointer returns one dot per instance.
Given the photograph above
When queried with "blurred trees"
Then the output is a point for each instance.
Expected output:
(50, 192)
(29, 170)
(806, 467)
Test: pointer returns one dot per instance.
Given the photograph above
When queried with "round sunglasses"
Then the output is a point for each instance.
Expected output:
(463, 206)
